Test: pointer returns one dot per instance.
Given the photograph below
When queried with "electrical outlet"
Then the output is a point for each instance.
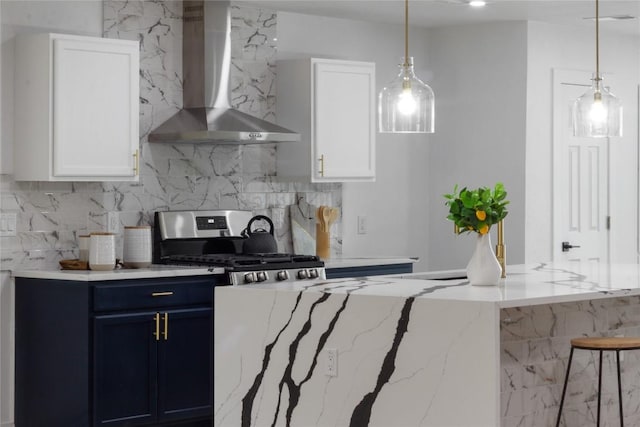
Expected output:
(332, 362)
(8, 223)
(362, 224)
(113, 222)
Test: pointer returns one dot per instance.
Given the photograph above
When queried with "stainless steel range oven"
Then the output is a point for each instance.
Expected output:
(214, 239)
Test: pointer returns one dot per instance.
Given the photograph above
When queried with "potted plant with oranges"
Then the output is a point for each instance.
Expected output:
(476, 211)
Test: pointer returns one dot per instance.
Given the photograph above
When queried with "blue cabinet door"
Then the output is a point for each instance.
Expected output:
(125, 369)
(185, 360)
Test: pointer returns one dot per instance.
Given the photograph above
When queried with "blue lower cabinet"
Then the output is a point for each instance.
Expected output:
(114, 353)
(369, 270)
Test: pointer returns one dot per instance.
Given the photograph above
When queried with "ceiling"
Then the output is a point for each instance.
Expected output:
(436, 13)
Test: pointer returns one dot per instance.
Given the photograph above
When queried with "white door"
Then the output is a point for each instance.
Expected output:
(580, 179)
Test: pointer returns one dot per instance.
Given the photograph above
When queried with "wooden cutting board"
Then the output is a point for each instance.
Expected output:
(303, 227)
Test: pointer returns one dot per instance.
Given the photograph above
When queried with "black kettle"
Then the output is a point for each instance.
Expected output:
(259, 241)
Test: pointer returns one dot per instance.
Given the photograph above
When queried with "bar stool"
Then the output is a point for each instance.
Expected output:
(600, 344)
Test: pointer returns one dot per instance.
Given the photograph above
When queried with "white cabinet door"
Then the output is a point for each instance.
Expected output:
(76, 108)
(344, 118)
(95, 131)
(332, 104)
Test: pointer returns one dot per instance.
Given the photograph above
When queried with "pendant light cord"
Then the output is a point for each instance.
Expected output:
(597, 41)
(406, 33)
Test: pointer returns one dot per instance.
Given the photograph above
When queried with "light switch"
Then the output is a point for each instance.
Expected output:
(8, 224)
(362, 225)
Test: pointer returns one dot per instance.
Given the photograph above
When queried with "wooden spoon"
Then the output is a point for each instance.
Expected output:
(320, 216)
(326, 216)
(333, 215)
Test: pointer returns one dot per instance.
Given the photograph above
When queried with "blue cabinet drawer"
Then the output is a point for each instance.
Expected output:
(151, 293)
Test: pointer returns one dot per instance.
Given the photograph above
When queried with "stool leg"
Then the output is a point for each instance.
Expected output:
(564, 388)
(619, 388)
(599, 387)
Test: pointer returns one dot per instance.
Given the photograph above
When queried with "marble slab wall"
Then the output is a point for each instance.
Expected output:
(535, 346)
(173, 177)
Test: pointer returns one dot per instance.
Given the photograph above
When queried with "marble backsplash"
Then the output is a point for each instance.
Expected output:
(172, 177)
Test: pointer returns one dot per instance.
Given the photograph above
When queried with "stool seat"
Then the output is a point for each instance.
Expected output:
(606, 343)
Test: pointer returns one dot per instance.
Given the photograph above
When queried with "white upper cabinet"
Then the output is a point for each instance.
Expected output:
(332, 104)
(76, 108)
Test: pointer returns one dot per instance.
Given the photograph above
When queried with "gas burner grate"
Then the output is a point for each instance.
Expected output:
(275, 260)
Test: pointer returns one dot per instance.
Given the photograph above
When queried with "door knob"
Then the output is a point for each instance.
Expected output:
(566, 246)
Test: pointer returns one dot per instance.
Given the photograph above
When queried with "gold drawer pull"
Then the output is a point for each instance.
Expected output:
(162, 294)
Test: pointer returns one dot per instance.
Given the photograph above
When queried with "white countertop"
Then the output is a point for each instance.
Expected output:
(117, 274)
(346, 261)
(531, 284)
(174, 271)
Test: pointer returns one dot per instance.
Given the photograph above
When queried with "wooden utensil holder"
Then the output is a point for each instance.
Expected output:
(323, 242)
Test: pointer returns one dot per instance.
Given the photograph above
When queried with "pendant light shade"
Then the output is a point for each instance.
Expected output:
(406, 104)
(597, 113)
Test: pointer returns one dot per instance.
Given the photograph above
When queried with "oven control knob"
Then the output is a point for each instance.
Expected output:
(283, 275)
(313, 273)
(249, 278)
(302, 274)
(261, 276)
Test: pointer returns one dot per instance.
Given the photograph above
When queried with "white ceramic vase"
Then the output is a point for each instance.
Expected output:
(483, 268)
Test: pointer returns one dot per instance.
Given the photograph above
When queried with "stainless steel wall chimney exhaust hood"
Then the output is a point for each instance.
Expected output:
(207, 115)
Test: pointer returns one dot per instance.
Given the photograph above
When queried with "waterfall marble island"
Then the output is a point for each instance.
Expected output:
(410, 350)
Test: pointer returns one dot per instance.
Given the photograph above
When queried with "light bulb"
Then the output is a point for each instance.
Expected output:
(597, 112)
(406, 102)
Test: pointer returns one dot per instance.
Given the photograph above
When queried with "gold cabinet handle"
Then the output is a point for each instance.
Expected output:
(166, 326)
(321, 160)
(162, 294)
(156, 318)
(136, 163)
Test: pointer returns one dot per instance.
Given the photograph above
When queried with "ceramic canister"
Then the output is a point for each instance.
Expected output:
(137, 246)
(102, 251)
(83, 246)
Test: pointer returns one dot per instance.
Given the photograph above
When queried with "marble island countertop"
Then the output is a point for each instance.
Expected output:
(540, 283)
(409, 350)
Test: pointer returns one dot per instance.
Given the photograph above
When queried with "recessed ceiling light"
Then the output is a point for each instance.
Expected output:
(477, 3)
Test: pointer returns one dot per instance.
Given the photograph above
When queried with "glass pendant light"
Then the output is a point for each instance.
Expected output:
(406, 105)
(597, 113)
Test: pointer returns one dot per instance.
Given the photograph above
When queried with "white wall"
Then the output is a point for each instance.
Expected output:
(552, 46)
(397, 204)
(480, 84)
